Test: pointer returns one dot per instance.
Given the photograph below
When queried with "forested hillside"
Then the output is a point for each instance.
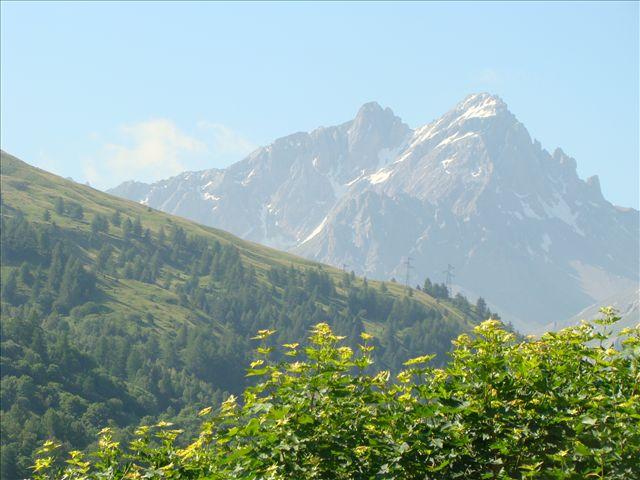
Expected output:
(114, 314)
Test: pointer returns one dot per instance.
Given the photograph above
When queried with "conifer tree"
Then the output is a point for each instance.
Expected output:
(75, 210)
(25, 274)
(59, 206)
(76, 285)
(103, 257)
(481, 308)
(56, 267)
(137, 227)
(127, 229)
(116, 218)
(99, 223)
(10, 288)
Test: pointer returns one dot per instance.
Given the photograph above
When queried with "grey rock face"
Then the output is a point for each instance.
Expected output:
(471, 189)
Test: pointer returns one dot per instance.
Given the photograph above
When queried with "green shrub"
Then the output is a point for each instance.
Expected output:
(566, 405)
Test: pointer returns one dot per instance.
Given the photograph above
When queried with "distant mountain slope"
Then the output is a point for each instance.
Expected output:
(626, 303)
(280, 193)
(114, 313)
(471, 189)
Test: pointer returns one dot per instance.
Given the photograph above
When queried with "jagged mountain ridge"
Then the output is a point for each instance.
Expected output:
(258, 190)
(470, 189)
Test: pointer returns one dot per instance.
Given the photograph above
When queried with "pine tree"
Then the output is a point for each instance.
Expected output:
(428, 286)
(155, 265)
(10, 288)
(128, 271)
(116, 218)
(25, 274)
(481, 308)
(56, 268)
(76, 285)
(99, 223)
(59, 206)
(75, 210)
(43, 238)
(127, 229)
(103, 257)
(137, 227)
(134, 362)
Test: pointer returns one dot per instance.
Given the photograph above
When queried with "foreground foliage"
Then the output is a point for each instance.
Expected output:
(114, 314)
(566, 405)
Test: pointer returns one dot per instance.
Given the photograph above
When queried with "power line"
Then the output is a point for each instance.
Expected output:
(408, 268)
(449, 276)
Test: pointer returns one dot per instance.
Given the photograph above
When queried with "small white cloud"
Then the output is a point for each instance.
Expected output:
(226, 141)
(156, 149)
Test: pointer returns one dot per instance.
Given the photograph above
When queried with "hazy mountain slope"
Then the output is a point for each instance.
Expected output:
(113, 312)
(626, 303)
(471, 189)
(279, 193)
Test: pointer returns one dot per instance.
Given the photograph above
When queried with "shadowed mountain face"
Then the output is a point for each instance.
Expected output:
(470, 189)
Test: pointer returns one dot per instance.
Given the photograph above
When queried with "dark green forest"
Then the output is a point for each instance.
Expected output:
(116, 315)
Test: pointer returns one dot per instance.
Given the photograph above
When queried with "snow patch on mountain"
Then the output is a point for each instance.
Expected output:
(248, 178)
(485, 108)
(560, 210)
(446, 162)
(456, 137)
(211, 197)
(316, 230)
(380, 176)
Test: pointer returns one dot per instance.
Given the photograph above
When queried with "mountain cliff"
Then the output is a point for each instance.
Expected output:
(470, 189)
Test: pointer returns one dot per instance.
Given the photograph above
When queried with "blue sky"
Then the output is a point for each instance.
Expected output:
(111, 91)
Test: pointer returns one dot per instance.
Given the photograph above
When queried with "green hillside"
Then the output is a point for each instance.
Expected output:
(114, 313)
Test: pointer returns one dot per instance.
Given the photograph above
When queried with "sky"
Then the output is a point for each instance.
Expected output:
(107, 92)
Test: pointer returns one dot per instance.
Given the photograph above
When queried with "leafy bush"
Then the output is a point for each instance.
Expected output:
(566, 405)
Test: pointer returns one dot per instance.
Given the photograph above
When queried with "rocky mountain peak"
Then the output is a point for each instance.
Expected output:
(481, 99)
(372, 117)
(477, 108)
(470, 188)
(593, 185)
(565, 164)
(370, 109)
(372, 112)
(372, 130)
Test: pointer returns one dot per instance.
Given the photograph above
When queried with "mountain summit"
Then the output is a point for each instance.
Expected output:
(470, 189)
